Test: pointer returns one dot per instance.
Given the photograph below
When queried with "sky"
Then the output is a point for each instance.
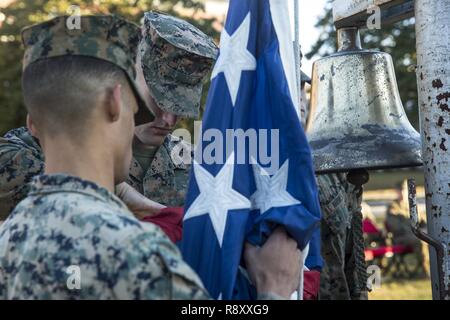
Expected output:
(309, 12)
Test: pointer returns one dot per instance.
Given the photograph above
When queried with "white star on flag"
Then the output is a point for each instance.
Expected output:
(216, 196)
(234, 57)
(271, 191)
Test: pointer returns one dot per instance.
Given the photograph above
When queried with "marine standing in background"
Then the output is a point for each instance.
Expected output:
(175, 60)
(344, 275)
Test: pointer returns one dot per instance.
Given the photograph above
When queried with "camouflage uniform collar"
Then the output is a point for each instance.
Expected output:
(55, 183)
(23, 136)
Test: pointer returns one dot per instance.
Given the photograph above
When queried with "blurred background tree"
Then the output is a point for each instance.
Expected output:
(19, 14)
(398, 40)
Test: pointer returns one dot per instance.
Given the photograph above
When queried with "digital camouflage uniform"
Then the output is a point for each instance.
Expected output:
(343, 276)
(176, 59)
(166, 179)
(68, 222)
(21, 159)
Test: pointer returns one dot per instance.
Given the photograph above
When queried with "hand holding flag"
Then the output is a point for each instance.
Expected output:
(244, 198)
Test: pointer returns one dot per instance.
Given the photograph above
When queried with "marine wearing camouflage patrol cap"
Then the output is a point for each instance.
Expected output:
(176, 59)
(108, 38)
(303, 76)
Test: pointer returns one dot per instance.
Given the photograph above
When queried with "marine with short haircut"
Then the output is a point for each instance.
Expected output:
(81, 98)
(154, 171)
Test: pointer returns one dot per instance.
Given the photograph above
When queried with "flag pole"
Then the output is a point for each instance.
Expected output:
(297, 54)
(299, 83)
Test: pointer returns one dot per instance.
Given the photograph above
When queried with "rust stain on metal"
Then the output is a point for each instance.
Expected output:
(442, 96)
(398, 116)
(442, 145)
(444, 107)
(437, 83)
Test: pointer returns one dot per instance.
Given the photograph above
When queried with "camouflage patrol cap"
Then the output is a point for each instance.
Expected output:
(108, 38)
(303, 76)
(176, 59)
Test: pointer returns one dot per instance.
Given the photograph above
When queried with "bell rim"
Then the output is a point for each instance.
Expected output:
(368, 168)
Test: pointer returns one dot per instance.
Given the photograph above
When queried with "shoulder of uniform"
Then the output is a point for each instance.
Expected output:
(20, 140)
(171, 141)
(17, 132)
(164, 262)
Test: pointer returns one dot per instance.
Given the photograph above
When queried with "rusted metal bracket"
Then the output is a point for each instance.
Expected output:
(415, 227)
(355, 13)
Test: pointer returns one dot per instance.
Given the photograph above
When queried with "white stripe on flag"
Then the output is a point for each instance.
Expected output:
(281, 22)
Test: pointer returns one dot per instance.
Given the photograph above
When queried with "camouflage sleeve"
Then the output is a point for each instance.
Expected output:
(332, 199)
(18, 165)
(156, 270)
(2, 285)
(334, 229)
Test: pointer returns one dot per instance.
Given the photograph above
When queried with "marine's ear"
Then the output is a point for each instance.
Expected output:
(114, 103)
(31, 127)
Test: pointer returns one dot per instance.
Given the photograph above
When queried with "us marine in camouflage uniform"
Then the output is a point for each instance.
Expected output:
(175, 59)
(68, 222)
(344, 274)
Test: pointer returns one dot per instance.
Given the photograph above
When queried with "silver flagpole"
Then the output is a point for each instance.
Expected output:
(298, 78)
(298, 62)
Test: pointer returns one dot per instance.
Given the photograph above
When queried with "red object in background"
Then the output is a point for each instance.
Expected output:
(170, 220)
(311, 285)
(369, 227)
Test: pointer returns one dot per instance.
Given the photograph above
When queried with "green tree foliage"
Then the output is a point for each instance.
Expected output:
(25, 12)
(398, 40)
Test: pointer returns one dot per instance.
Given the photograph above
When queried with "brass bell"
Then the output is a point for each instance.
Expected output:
(357, 120)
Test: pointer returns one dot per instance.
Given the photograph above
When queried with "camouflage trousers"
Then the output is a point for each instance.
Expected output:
(344, 275)
(339, 277)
